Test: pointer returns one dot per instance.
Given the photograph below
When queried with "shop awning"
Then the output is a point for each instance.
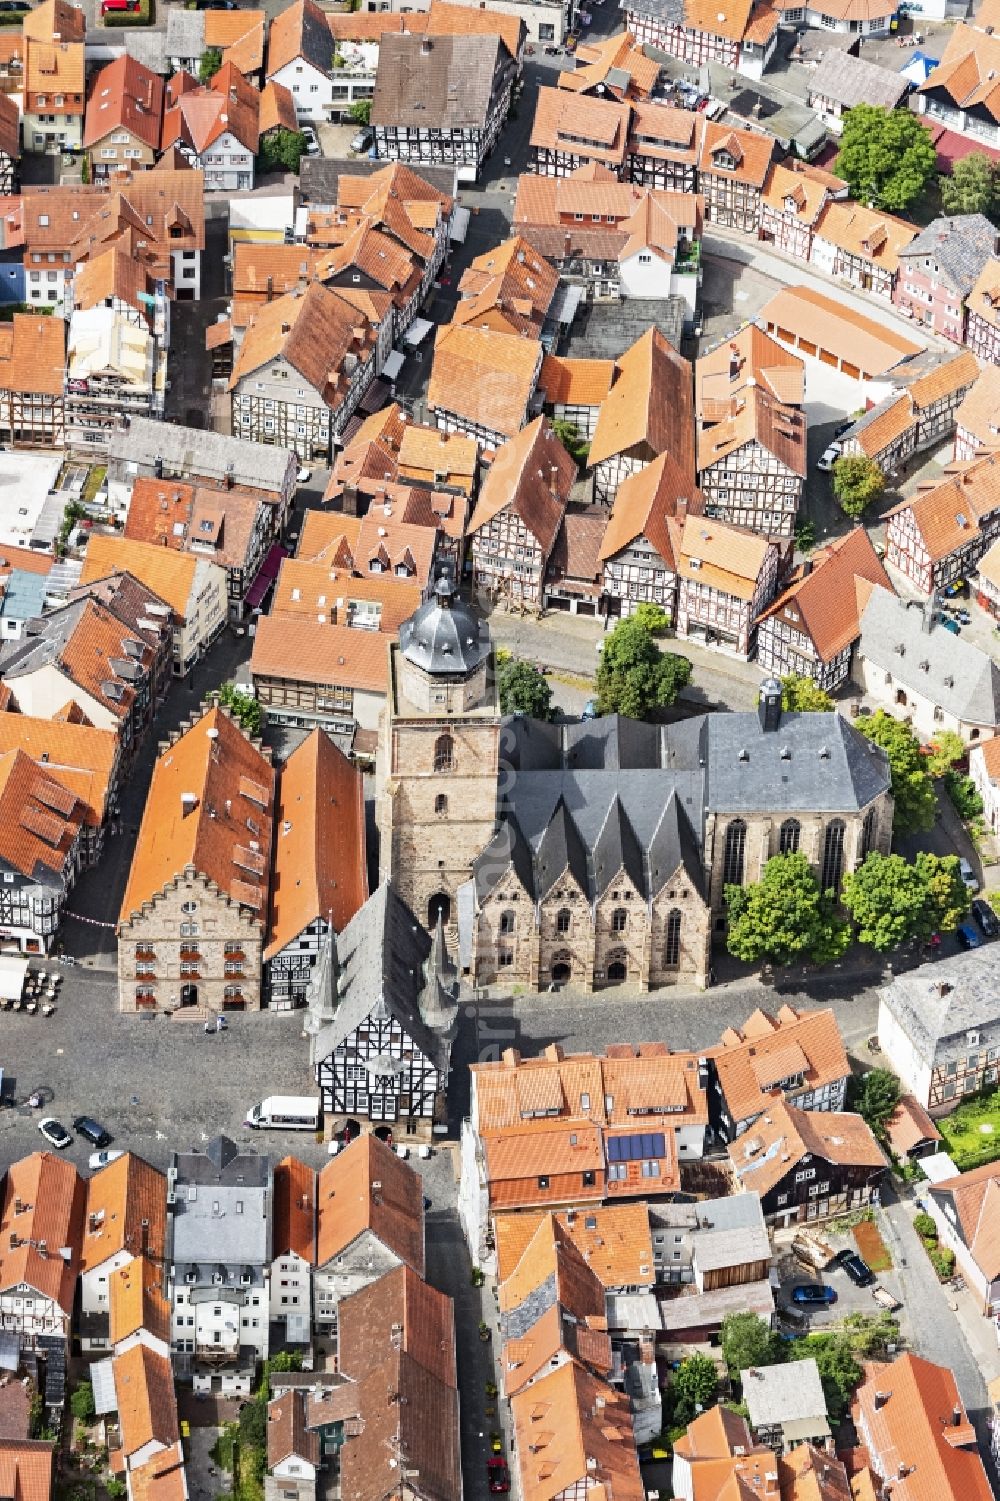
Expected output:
(459, 224)
(393, 365)
(266, 577)
(12, 975)
(418, 331)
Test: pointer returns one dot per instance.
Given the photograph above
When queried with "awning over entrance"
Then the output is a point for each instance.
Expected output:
(418, 331)
(459, 224)
(266, 577)
(393, 365)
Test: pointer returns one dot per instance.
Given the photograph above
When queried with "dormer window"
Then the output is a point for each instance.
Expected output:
(725, 160)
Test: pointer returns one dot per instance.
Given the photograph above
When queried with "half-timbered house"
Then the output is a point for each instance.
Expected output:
(319, 877)
(797, 1056)
(812, 626)
(574, 390)
(939, 1029)
(977, 420)
(573, 130)
(663, 146)
(920, 411)
(732, 172)
(791, 204)
(482, 382)
(649, 411)
(10, 144)
(940, 534)
(40, 851)
(382, 1006)
(518, 515)
(860, 246)
(613, 66)
(32, 376)
(809, 1165)
(982, 327)
(742, 37)
(640, 544)
(963, 92)
(42, 1205)
(726, 577)
(751, 446)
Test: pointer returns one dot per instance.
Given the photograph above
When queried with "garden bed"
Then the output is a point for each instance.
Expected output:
(971, 1133)
(872, 1247)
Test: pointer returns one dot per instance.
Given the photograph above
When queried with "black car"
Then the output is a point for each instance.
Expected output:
(859, 1271)
(986, 918)
(86, 1126)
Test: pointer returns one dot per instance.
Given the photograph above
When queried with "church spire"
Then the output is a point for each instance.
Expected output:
(321, 1001)
(439, 993)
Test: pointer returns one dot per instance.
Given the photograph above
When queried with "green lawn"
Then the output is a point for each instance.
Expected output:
(965, 1139)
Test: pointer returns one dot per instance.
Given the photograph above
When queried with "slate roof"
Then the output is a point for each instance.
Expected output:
(957, 675)
(937, 1004)
(190, 451)
(585, 793)
(384, 961)
(962, 245)
(444, 636)
(436, 83)
(852, 80)
(205, 1230)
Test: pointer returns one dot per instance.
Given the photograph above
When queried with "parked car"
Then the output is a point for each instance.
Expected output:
(108, 6)
(968, 876)
(498, 1474)
(986, 918)
(828, 458)
(859, 1271)
(955, 588)
(362, 140)
(650, 1453)
(303, 475)
(311, 140)
(968, 937)
(813, 1292)
(92, 1131)
(98, 1160)
(55, 1134)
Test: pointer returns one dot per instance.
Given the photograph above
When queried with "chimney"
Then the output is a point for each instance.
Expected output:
(286, 328)
(881, 1398)
(189, 801)
(229, 476)
(702, 1073)
(681, 509)
(956, 1416)
(807, 568)
(769, 708)
(158, 466)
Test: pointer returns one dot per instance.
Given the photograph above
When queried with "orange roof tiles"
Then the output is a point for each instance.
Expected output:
(26, 1468)
(147, 1408)
(287, 1434)
(55, 20)
(326, 594)
(512, 281)
(199, 117)
(814, 1032)
(304, 652)
(572, 1429)
(398, 1310)
(299, 31)
(314, 333)
(947, 377)
(169, 574)
(749, 354)
(864, 232)
(111, 275)
(137, 1301)
(979, 412)
(443, 19)
(787, 191)
(754, 417)
(614, 1240)
(646, 505)
(831, 325)
(731, 560)
(826, 603)
(909, 1125)
(568, 382)
(425, 453)
(949, 513)
(531, 476)
(126, 1211)
(161, 1478)
(320, 868)
(704, 15)
(41, 1204)
(33, 355)
(219, 769)
(984, 299)
(277, 108)
(618, 53)
(185, 518)
(329, 536)
(783, 1135)
(239, 34)
(79, 756)
(915, 1431)
(596, 129)
(973, 1199)
(125, 95)
(40, 820)
(750, 151)
(650, 405)
(370, 26)
(294, 1210)
(484, 376)
(350, 1204)
(968, 71)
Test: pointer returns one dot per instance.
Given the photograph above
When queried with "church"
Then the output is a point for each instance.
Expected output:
(596, 854)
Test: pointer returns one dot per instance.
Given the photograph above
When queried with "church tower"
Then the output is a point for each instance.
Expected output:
(438, 758)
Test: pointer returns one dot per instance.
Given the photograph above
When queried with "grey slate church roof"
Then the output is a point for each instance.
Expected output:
(896, 635)
(609, 794)
(444, 636)
(384, 959)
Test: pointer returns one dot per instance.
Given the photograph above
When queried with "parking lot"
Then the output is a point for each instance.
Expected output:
(849, 1298)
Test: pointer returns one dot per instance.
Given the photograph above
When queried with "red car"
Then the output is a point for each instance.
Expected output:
(498, 1475)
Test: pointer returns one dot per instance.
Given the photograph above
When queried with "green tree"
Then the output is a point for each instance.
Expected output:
(785, 916)
(694, 1386)
(209, 64)
(800, 694)
(805, 535)
(571, 438)
(281, 150)
(361, 112)
(912, 790)
(523, 690)
(857, 482)
(948, 897)
(634, 677)
(747, 1341)
(653, 617)
(945, 749)
(964, 794)
(839, 1370)
(253, 1423)
(871, 1334)
(972, 186)
(81, 1403)
(887, 898)
(886, 156)
(114, 1488)
(875, 1096)
(246, 710)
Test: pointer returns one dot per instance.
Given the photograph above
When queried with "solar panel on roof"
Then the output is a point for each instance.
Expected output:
(635, 1148)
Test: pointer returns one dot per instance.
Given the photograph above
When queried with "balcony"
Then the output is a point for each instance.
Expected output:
(688, 259)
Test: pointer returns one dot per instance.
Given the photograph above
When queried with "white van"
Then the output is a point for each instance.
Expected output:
(285, 1112)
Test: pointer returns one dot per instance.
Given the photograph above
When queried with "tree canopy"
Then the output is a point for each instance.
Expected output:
(912, 791)
(839, 1370)
(209, 64)
(634, 677)
(874, 1097)
(785, 916)
(653, 617)
(523, 689)
(361, 112)
(800, 694)
(694, 1387)
(886, 156)
(747, 1341)
(857, 482)
(245, 709)
(945, 749)
(281, 150)
(972, 186)
(571, 438)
